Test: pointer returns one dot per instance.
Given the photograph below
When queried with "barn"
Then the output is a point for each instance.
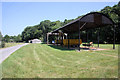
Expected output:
(89, 21)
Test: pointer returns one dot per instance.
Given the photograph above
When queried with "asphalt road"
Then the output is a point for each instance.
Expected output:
(6, 52)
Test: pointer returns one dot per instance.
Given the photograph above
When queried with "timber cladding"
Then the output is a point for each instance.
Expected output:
(97, 19)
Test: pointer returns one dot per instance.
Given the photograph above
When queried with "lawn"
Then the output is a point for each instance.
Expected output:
(11, 44)
(43, 61)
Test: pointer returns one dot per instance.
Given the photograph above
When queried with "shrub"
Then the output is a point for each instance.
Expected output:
(2, 45)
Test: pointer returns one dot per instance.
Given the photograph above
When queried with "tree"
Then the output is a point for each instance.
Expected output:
(2, 43)
(67, 21)
(106, 10)
(45, 27)
(114, 14)
(26, 34)
(6, 38)
(18, 38)
(1, 36)
(116, 10)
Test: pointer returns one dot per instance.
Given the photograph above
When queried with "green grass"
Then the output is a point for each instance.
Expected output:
(43, 61)
(11, 44)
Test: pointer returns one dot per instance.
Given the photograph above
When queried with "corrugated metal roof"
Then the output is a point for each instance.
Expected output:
(92, 19)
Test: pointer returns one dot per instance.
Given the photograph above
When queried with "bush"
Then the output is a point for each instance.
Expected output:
(2, 45)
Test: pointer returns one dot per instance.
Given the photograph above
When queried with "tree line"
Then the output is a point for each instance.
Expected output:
(39, 31)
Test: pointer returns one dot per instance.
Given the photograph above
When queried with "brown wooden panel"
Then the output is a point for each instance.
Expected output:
(97, 19)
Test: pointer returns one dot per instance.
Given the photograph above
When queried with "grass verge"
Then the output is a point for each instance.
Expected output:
(11, 44)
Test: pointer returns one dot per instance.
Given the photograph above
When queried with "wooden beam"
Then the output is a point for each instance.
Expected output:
(47, 38)
(68, 41)
(98, 37)
(114, 37)
(79, 35)
(57, 38)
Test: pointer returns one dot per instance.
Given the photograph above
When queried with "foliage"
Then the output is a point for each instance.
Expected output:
(30, 33)
(18, 38)
(12, 44)
(1, 36)
(2, 44)
(116, 9)
(8, 38)
(114, 14)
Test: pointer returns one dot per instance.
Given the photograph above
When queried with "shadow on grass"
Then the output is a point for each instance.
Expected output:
(43, 43)
(61, 48)
(85, 48)
(70, 49)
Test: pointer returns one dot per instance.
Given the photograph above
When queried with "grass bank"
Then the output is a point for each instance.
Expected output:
(11, 44)
(43, 61)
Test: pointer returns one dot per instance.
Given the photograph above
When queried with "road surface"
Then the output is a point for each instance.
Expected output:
(4, 53)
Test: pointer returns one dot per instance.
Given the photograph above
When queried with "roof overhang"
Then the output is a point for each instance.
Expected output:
(92, 20)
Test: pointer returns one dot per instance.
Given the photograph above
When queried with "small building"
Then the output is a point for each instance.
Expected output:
(35, 41)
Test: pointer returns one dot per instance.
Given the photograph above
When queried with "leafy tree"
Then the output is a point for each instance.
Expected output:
(55, 25)
(114, 14)
(2, 43)
(1, 36)
(106, 10)
(6, 38)
(67, 21)
(116, 10)
(45, 28)
(18, 38)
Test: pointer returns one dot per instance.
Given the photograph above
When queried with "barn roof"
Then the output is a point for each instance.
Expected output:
(88, 21)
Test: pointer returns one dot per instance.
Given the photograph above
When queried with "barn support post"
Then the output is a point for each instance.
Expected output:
(87, 36)
(98, 37)
(63, 36)
(114, 37)
(62, 40)
(66, 36)
(68, 41)
(79, 35)
(57, 39)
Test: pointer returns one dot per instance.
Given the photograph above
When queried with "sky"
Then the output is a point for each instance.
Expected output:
(18, 15)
